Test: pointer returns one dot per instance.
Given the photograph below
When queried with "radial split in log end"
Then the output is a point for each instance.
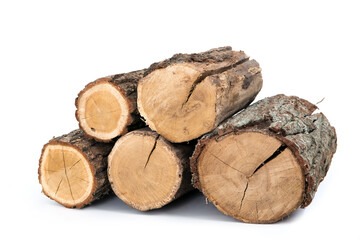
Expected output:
(250, 176)
(103, 111)
(66, 175)
(146, 172)
(178, 113)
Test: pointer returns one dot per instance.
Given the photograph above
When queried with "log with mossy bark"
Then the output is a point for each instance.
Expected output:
(188, 95)
(266, 161)
(72, 169)
(106, 108)
(147, 172)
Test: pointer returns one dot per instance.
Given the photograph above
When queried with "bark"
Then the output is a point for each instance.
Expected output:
(96, 154)
(215, 60)
(309, 136)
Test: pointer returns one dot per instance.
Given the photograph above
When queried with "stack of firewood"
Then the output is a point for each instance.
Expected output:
(152, 135)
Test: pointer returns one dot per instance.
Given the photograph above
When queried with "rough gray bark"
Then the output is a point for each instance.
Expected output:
(309, 136)
(217, 59)
(126, 83)
(96, 153)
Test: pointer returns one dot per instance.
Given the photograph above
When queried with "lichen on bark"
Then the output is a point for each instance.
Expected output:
(291, 120)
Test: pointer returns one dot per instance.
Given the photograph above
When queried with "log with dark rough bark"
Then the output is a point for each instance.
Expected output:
(147, 172)
(265, 161)
(106, 108)
(190, 94)
(72, 169)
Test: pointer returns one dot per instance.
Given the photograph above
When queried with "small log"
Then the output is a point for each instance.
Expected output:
(147, 172)
(72, 169)
(266, 161)
(106, 108)
(188, 95)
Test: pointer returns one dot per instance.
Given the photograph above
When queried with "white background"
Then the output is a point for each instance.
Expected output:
(49, 51)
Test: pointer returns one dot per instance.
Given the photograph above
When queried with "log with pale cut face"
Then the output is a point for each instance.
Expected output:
(72, 169)
(188, 95)
(147, 172)
(106, 108)
(252, 177)
(265, 162)
(66, 174)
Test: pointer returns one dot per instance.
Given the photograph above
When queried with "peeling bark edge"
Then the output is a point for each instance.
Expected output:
(96, 155)
(126, 84)
(211, 56)
(311, 138)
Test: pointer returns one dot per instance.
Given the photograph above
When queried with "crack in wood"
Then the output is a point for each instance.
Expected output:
(273, 156)
(209, 73)
(257, 212)
(74, 164)
(242, 199)
(219, 159)
(67, 178)
(57, 189)
(96, 105)
(152, 150)
(83, 179)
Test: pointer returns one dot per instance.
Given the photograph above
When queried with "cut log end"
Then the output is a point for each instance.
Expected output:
(144, 171)
(260, 182)
(184, 110)
(190, 94)
(103, 111)
(66, 175)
